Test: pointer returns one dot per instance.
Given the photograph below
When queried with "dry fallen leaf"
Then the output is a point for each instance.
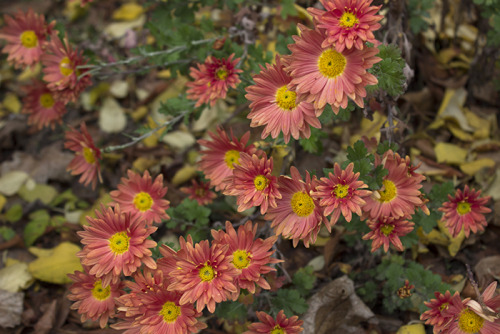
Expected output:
(487, 270)
(11, 308)
(15, 277)
(412, 329)
(112, 118)
(450, 153)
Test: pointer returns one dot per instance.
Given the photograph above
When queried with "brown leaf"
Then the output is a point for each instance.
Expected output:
(46, 322)
(487, 270)
(11, 308)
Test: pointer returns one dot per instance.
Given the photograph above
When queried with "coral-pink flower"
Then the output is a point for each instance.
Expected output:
(253, 183)
(489, 300)
(220, 154)
(324, 75)
(251, 256)
(43, 107)
(92, 300)
(465, 211)
(200, 192)
(277, 107)
(297, 216)
(213, 79)
(203, 273)
(341, 192)
(281, 324)
(87, 155)
(26, 36)
(60, 70)
(435, 316)
(387, 230)
(347, 23)
(116, 243)
(140, 195)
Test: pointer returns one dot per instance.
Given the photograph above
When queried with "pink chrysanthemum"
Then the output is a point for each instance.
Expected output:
(281, 325)
(221, 153)
(26, 36)
(200, 192)
(277, 107)
(60, 70)
(385, 230)
(253, 183)
(324, 75)
(213, 79)
(116, 243)
(491, 302)
(251, 256)
(203, 274)
(342, 193)
(43, 107)
(466, 321)
(86, 161)
(150, 308)
(399, 195)
(140, 195)
(435, 316)
(92, 300)
(297, 216)
(466, 210)
(347, 23)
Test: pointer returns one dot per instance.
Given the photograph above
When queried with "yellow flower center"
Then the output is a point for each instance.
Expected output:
(241, 259)
(331, 64)
(119, 242)
(170, 312)
(100, 293)
(463, 208)
(443, 307)
(260, 182)
(387, 229)
(285, 99)
(341, 190)
(200, 192)
(222, 73)
(206, 273)
(389, 192)
(29, 39)
(65, 67)
(470, 322)
(302, 204)
(46, 100)
(143, 201)
(231, 157)
(277, 330)
(88, 155)
(348, 19)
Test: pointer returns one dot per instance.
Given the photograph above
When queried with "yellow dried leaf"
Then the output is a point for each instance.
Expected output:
(11, 103)
(11, 182)
(303, 13)
(3, 200)
(119, 29)
(139, 113)
(451, 109)
(370, 128)
(450, 153)
(459, 133)
(471, 168)
(179, 140)
(184, 174)
(482, 126)
(455, 243)
(494, 189)
(279, 153)
(128, 12)
(53, 265)
(30, 72)
(112, 118)
(74, 10)
(411, 329)
(141, 164)
(15, 277)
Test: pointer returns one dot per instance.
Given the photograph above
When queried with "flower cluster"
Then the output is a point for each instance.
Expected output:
(450, 314)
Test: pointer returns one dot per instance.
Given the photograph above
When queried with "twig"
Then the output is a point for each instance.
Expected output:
(135, 140)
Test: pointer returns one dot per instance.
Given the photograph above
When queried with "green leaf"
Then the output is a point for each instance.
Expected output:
(231, 311)
(389, 71)
(14, 213)
(7, 233)
(357, 151)
(313, 143)
(304, 280)
(290, 302)
(288, 8)
(386, 146)
(40, 220)
(439, 193)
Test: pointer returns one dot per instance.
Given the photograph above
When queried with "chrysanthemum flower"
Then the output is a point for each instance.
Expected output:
(347, 23)
(385, 230)
(277, 107)
(491, 302)
(253, 183)
(60, 70)
(43, 107)
(399, 195)
(282, 324)
(466, 321)
(200, 192)
(150, 308)
(86, 161)
(140, 195)
(251, 256)
(221, 153)
(204, 274)
(435, 316)
(342, 193)
(324, 75)
(92, 300)
(26, 36)
(297, 216)
(213, 79)
(466, 210)
(116, 243)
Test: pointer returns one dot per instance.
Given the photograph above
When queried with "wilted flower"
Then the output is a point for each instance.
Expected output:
(387, 230)
(282, 324)
(200, 192)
